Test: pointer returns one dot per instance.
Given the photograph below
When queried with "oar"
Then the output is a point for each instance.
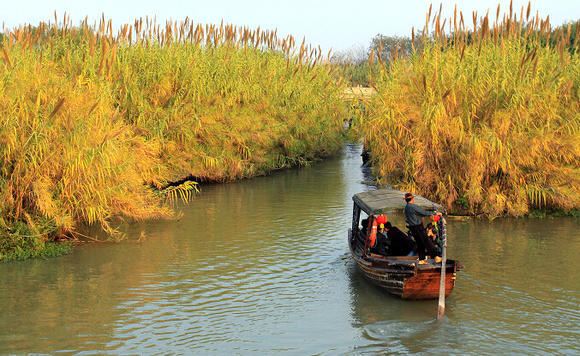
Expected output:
(441, 306)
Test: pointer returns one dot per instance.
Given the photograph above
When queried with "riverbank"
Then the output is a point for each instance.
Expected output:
(96, 126)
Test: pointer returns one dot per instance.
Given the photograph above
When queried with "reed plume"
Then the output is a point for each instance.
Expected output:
(96, 126)
(485, 120)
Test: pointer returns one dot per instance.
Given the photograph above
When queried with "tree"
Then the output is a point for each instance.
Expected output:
(389, 47)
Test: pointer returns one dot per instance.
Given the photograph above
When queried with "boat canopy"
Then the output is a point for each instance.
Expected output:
(374, 201)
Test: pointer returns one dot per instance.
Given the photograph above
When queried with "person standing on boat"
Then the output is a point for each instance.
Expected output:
(413, 215)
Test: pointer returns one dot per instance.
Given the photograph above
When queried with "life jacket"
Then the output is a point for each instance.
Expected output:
(373, 234)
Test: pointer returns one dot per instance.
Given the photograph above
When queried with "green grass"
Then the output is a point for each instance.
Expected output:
(49, 250)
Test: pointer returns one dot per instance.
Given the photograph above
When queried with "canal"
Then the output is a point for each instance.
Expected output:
(262, 266)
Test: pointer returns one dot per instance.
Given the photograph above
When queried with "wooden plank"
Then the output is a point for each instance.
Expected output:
(425, 285)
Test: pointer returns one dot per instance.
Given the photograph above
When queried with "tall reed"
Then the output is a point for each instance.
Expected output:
(485, 118)
(94, 125)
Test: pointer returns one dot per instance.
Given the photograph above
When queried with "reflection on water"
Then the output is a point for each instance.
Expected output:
(519, 292)
(262, 266)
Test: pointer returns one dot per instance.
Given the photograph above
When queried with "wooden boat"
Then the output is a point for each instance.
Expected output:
(401, 276)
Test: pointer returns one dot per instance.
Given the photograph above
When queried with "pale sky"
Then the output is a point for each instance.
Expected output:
(337, 24)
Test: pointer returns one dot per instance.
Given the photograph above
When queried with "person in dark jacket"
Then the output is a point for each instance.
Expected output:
(433, 234)
(400, 243)
(364, 225)
(382, 245)
(413, 215)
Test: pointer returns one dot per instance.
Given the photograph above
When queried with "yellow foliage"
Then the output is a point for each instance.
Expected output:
(487, 119)
(94, 126)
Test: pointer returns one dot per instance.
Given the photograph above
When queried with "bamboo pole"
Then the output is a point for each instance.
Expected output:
(441, 305)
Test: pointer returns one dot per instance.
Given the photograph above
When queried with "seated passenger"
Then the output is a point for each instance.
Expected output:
(401, 244)
(434, 236)
(364, 224)
(382, 244)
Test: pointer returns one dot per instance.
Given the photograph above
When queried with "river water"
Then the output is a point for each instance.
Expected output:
(262, 266)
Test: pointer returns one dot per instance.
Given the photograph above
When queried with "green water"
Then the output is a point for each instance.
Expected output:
(262, 266)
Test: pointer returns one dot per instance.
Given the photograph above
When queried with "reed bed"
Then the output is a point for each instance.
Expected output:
(485, 118)
(95, 126)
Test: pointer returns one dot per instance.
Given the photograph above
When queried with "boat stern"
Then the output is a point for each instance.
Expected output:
(425, 283)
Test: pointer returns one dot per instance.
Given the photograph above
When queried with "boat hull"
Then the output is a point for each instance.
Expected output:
(402, 276)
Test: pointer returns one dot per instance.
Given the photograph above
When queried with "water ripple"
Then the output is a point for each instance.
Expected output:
(262, 266)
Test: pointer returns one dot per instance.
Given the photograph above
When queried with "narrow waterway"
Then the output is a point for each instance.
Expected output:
(262, 266)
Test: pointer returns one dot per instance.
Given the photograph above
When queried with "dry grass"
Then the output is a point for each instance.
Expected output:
(93, 124)
(485, 119)
(362, 93)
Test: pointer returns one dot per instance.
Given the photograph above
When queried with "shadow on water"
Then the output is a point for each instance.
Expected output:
(261, 266)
